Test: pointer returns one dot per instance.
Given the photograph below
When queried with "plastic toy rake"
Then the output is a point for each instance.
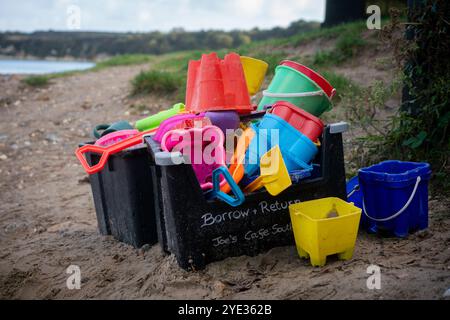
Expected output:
(105, 152)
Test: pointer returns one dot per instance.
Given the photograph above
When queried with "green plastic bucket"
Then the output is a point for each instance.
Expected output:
(290, 85)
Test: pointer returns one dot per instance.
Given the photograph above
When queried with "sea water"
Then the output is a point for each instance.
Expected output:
(17, 66)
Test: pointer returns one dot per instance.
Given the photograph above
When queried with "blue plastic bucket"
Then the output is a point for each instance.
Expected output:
(297, 149)
(395, 196)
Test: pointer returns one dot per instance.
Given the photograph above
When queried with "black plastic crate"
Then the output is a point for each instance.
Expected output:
(125, 197)
(198, 231)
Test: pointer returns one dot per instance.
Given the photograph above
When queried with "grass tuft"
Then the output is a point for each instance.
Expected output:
(154, 81)
(37, 81)
(124, 60)
(347, 46)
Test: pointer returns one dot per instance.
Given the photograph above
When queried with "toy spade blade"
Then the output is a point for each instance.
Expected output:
(105, 152)
(274, 174)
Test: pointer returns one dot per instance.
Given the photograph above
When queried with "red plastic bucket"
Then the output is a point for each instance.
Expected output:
(217, 85)
(314, 76)
(303, 121)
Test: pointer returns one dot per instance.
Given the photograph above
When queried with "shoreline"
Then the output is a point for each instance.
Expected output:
(35, 67)
(49, 58)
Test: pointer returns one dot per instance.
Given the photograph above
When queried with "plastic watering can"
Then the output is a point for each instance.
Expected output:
(194, 142)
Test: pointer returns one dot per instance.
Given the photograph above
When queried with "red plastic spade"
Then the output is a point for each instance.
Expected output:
(105, 152)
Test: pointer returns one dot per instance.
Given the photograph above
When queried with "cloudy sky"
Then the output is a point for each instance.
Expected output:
(148, 15)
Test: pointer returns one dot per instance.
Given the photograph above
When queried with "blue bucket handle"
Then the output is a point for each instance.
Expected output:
(395, 215)
(216, 193)
(355, 188)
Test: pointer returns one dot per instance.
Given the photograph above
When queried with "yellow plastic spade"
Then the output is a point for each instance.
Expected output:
(274, 174)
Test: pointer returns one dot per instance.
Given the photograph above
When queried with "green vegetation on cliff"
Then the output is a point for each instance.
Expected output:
(88, 45)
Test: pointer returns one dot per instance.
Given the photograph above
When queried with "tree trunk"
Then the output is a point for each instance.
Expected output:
(340, 11)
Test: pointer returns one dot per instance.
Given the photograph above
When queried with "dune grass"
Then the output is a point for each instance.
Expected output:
(124, 60)
(272, 51)
(37, 81)
(346, 47)
(154, 81)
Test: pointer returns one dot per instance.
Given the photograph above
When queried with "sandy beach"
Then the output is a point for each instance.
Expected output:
(47, 219)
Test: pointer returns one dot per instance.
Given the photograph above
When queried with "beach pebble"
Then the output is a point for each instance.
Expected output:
(219, 288)
(51, 137)
(424, 234)
(447, 293)
(144, 248)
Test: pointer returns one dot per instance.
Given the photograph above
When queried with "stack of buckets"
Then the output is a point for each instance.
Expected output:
(301, 86)
(298, 96)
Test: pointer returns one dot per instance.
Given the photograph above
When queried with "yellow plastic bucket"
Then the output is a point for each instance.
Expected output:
(324, 227)
(255, 71)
